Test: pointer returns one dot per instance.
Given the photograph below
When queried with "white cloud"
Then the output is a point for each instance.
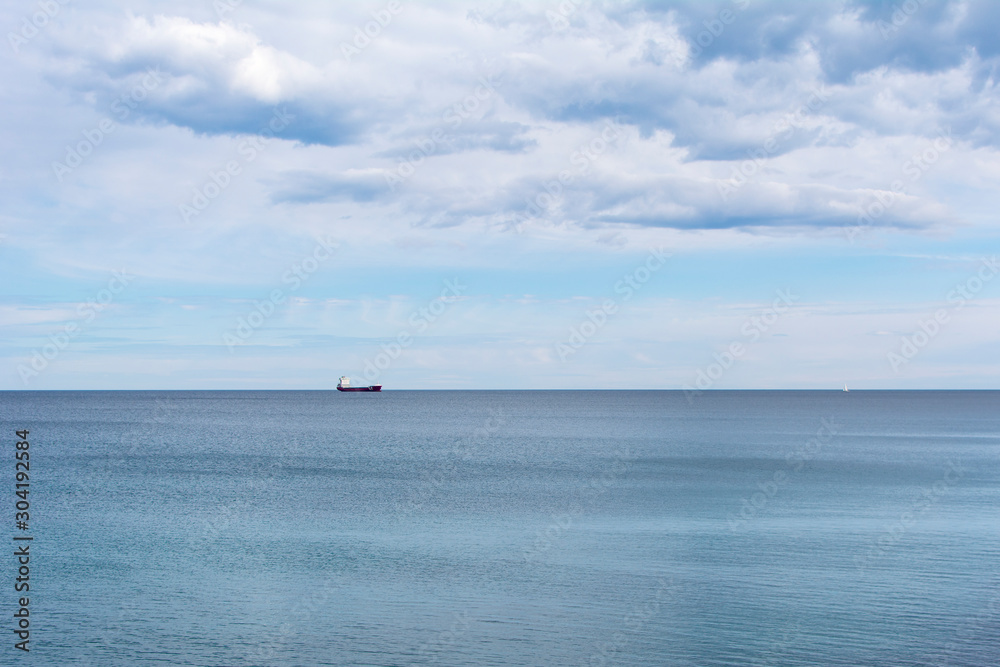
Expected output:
(774, 137)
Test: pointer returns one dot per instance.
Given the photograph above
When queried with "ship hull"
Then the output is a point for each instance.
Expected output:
(374, 387)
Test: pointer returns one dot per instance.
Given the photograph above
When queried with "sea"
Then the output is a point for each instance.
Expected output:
(583, 528)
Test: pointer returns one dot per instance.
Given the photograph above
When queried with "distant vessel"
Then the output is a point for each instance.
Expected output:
(345, 385)
(845, 388)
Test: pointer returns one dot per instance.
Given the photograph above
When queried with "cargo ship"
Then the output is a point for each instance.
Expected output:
(345, 385)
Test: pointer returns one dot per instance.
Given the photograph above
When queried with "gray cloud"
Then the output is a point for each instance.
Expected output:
(717, 81)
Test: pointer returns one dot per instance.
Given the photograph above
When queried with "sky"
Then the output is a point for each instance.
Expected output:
(500, 195)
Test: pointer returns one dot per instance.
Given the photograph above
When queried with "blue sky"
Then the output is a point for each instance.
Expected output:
(500, 195)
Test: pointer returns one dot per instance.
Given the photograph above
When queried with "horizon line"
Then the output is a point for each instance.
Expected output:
(698, 391)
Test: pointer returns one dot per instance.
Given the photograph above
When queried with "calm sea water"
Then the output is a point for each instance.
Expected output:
(510, 528)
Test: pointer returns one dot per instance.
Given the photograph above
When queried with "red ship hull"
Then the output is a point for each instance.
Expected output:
(374, 387)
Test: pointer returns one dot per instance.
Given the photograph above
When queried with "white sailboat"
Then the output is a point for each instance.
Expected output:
(845, 388)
